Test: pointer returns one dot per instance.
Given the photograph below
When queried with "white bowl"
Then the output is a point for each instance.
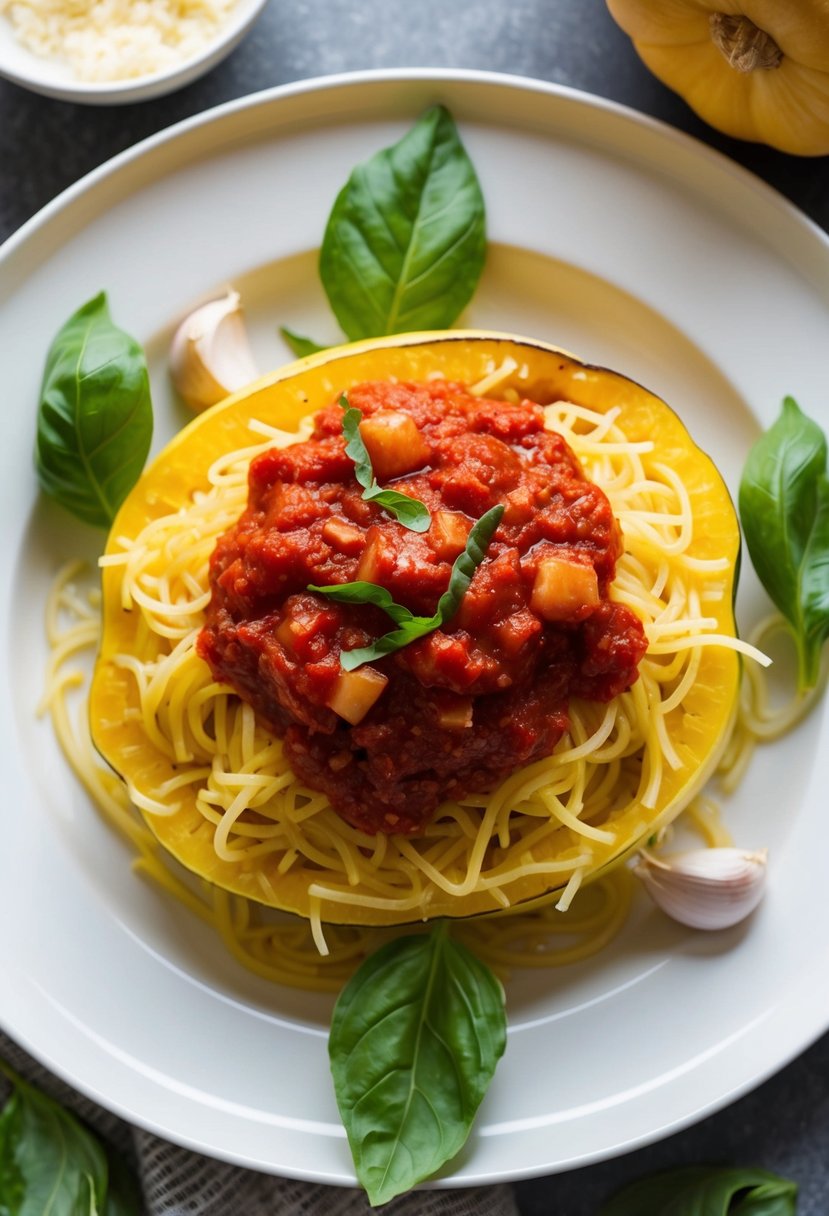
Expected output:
(55, 79)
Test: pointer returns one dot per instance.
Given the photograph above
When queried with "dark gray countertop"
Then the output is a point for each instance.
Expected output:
(46, 145)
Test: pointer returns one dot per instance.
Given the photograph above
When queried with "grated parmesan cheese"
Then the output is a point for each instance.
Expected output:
(103, 40)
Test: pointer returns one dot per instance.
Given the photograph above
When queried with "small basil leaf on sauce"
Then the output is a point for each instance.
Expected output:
(405, 243)
(95, 420)
(411, 627)
(784, 510)
(706, 1191)
(468, 562)
(49, 1162)
(408, 632)
(300, 345)
(415, 1039)
(369, 593)
(410, 512)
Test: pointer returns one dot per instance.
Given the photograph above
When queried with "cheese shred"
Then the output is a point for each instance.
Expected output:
(108, 40)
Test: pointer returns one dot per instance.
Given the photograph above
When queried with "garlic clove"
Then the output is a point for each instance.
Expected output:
(210, 355)
(705, 888)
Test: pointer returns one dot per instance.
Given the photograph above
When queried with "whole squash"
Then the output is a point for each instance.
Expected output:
(698, 726)
(754, 69)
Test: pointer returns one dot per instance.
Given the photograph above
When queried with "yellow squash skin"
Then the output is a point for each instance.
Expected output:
(699, 728)
(754, 69)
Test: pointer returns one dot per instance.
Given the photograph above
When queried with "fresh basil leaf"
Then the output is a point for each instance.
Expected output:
(408, 632)
(706, 1191)
(95, 419)
(355, 449)
(298, 344)
(410, 512)
(411, 627)
(814, 586)
(415, 1038)
(48, 1162)
(12, 1181)
(123, 1195)
(405, 242)
(368, 593)
(467, 563)
(784, 510)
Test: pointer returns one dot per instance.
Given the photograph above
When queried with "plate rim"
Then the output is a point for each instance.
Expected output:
(380, 76)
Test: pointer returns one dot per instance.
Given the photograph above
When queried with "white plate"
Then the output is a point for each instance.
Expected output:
(613, 236)
(54, 78)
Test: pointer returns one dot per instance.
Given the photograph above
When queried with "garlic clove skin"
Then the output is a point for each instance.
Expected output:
(210, 355)
(705, 888)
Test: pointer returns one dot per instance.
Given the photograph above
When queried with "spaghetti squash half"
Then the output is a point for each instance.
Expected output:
(213, 778)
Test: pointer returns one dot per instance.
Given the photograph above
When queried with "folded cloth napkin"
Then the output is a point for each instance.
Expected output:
(176, 1181)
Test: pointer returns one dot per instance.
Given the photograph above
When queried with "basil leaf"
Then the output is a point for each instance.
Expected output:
(814, 585)
(123, 1196)
(12, 1182)
(298, 344)
(784, 510)
(408, 632)
(410, 512)
(368, 593)
(405, 243)
(49, 1162)
(467, 563)
(706, 1191)
(355, 449)
(412, 627)
(415, 1038)
(52, 1163)
(95, 419)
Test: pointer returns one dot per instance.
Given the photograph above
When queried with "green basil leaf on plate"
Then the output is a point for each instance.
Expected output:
(405, 243)
(706, 1191)
(784, 511)
(415, 1038)
(95, 420)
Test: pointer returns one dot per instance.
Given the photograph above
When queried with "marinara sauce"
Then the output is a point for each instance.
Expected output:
(459, 709)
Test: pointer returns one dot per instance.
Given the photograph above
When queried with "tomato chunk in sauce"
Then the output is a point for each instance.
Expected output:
(457, 710)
